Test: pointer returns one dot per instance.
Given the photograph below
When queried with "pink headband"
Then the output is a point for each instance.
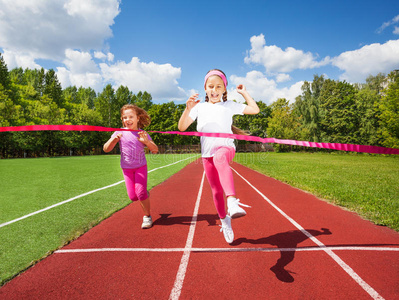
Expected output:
(218, 73)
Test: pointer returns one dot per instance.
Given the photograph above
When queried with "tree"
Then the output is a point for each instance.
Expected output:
(254, 124)
(4, 75)
(70, 94)
(86, 96)
(17, 76)
(307, 109)
(10, 114)
(376, 83)
(52, 87)
(143, 100)
(81, 114)
(366, 102)
(123, 95)
(339, 121)
(165, 117)
(282, 123)
(42, 112)
(106, 107)
(34, 78)
(326, 111)
(389, 112)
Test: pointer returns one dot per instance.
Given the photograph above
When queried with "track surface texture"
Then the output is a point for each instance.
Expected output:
(290, 245)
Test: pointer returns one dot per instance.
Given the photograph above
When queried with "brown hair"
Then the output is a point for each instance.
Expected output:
(239, 131)
(142, 115)
(225, 93)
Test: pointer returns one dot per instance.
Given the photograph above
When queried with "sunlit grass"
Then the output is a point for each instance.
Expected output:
(28, 185)
(366, 184)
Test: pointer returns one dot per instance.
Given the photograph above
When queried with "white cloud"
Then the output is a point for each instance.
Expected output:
(45, 28)
(87, 79)
(14, 60)
(110, 57)
(160, 80)
(396, 30)
(368, 60)
(190, 92)
(389, 23)
(80, 70)
(275, 59)
(80, 62)
(100, 55)
(357, 64)
(283, 77)
(263, 89)
(74, 32)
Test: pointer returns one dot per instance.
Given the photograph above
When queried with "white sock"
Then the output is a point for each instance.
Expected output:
(231, 198)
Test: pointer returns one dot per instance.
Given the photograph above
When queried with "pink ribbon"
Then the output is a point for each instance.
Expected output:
(334, 146)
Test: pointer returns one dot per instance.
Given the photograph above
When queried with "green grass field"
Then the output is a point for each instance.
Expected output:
(367, 184)
(28, 185)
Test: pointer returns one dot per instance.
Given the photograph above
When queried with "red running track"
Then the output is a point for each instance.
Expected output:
(291, 245)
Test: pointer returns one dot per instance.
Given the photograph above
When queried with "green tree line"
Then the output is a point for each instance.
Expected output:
(326, 111)
(333, 111)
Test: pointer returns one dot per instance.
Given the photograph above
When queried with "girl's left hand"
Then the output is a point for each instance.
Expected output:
(143, 137)
(241, 88)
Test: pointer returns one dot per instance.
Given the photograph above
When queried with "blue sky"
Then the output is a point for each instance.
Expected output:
(166, 47)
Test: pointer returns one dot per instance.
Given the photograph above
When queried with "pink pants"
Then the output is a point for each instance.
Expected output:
(136, 183)
(220, 177)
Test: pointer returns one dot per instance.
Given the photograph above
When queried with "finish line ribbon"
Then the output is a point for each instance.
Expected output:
(332, 146)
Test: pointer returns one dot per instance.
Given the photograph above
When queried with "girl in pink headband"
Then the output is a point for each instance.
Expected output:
(216, 115)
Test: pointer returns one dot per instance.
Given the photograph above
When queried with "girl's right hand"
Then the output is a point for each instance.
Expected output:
(118, 137)
(241, 88)
(110, 144)
(192, 101)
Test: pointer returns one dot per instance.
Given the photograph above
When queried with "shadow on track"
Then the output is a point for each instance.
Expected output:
(284, 240)
(166, 220)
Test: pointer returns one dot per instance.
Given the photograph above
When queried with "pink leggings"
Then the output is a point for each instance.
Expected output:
(220, 177)
(136, 183)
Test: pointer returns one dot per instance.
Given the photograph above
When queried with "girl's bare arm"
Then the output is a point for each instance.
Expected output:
(110, 144)
(252, 108)
(185, 119)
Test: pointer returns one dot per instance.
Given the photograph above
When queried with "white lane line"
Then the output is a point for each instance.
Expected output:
(373, 293)
(58, 204)
(80, 196)
(301, 249)
(181, 273)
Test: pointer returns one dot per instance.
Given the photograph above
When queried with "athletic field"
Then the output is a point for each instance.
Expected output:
(290, 245)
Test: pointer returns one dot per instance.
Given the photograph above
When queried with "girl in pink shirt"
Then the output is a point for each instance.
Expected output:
(133, 161)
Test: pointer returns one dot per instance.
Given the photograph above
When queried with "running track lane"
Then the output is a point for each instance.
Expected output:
(270, 258)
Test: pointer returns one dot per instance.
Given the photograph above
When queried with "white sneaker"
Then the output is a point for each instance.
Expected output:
(227, 230)
(147, 222)
(233, 208)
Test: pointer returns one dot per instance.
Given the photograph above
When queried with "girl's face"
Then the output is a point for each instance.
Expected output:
(130, 119)
(214, 88)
